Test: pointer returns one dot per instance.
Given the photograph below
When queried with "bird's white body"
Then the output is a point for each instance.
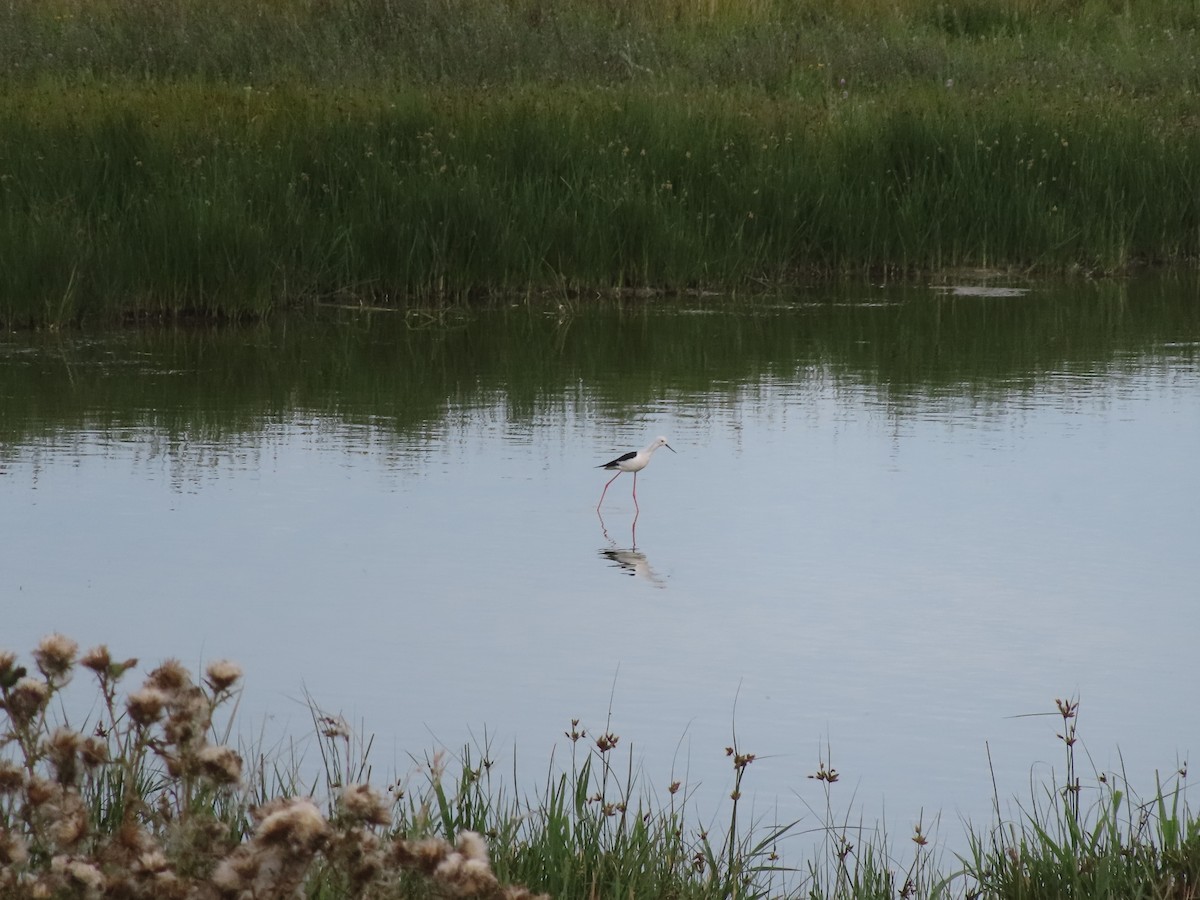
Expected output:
(634, 462)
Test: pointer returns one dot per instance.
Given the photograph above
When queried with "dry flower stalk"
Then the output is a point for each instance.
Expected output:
(160, 834)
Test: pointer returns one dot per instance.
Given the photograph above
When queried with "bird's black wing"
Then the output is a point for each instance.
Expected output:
(620, 459)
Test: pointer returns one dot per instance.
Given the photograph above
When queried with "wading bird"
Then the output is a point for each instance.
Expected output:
(633, 461)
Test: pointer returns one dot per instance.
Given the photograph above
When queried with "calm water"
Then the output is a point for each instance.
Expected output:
(899, 520)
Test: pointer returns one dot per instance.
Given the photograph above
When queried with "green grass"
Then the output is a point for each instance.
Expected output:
(1122, 846)
(147, 799)
(1144, 46)
(233, 158)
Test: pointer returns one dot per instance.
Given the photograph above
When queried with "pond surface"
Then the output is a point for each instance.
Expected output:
(899, 522)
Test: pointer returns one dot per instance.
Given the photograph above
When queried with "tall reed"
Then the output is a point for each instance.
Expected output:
(1074, 46)
(168, 199)
(232, 157)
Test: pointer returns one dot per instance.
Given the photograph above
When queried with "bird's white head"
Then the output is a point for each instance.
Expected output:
(660, 442)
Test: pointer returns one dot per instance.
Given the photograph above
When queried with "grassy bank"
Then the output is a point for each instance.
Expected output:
(1144, 48)
(232, 158)
(147, 798)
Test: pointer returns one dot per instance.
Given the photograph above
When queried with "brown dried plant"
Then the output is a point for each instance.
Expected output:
(151, 802)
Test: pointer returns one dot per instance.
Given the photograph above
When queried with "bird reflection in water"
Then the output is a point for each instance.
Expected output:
(631, 561)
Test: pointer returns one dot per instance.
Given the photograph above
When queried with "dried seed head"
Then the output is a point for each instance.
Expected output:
(221, 764)
(101, 662)
(62, 749)
(97, 659)
(80, 873)
(175, 766)
(55, 654)
(424, 855)
(191, 714)
(476, 877)
(465, 876)
(222, 675)
(261, 812)
(146, 705)
(12, 777)
(27, 698)
(39, 791)
(63, 742)
(171, 676)
(472, 846)
(117, 669)
(169, 886)
(134, 840)
(13, 851)
(334, 727)
(151, 862)
(450, 866)
(70, 820)
(365, 861)
(9, 670)
(93, 752)
(362, 804)
(228, 876)
(256, 871)
(299, 825)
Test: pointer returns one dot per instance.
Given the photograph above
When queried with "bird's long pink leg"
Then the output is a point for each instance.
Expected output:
(605, 491)
(635, 503)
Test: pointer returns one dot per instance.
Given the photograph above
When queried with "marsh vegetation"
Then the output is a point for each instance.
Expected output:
(231, 158)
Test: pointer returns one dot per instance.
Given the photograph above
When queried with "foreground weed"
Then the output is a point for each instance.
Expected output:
(1120, 847)
(151, 802)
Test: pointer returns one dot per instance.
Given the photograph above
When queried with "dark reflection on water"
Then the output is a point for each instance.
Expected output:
(629, 560)
(912, 347)
(897, 517)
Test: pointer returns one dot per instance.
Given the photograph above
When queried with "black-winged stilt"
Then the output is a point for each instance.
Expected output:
(633, 461)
